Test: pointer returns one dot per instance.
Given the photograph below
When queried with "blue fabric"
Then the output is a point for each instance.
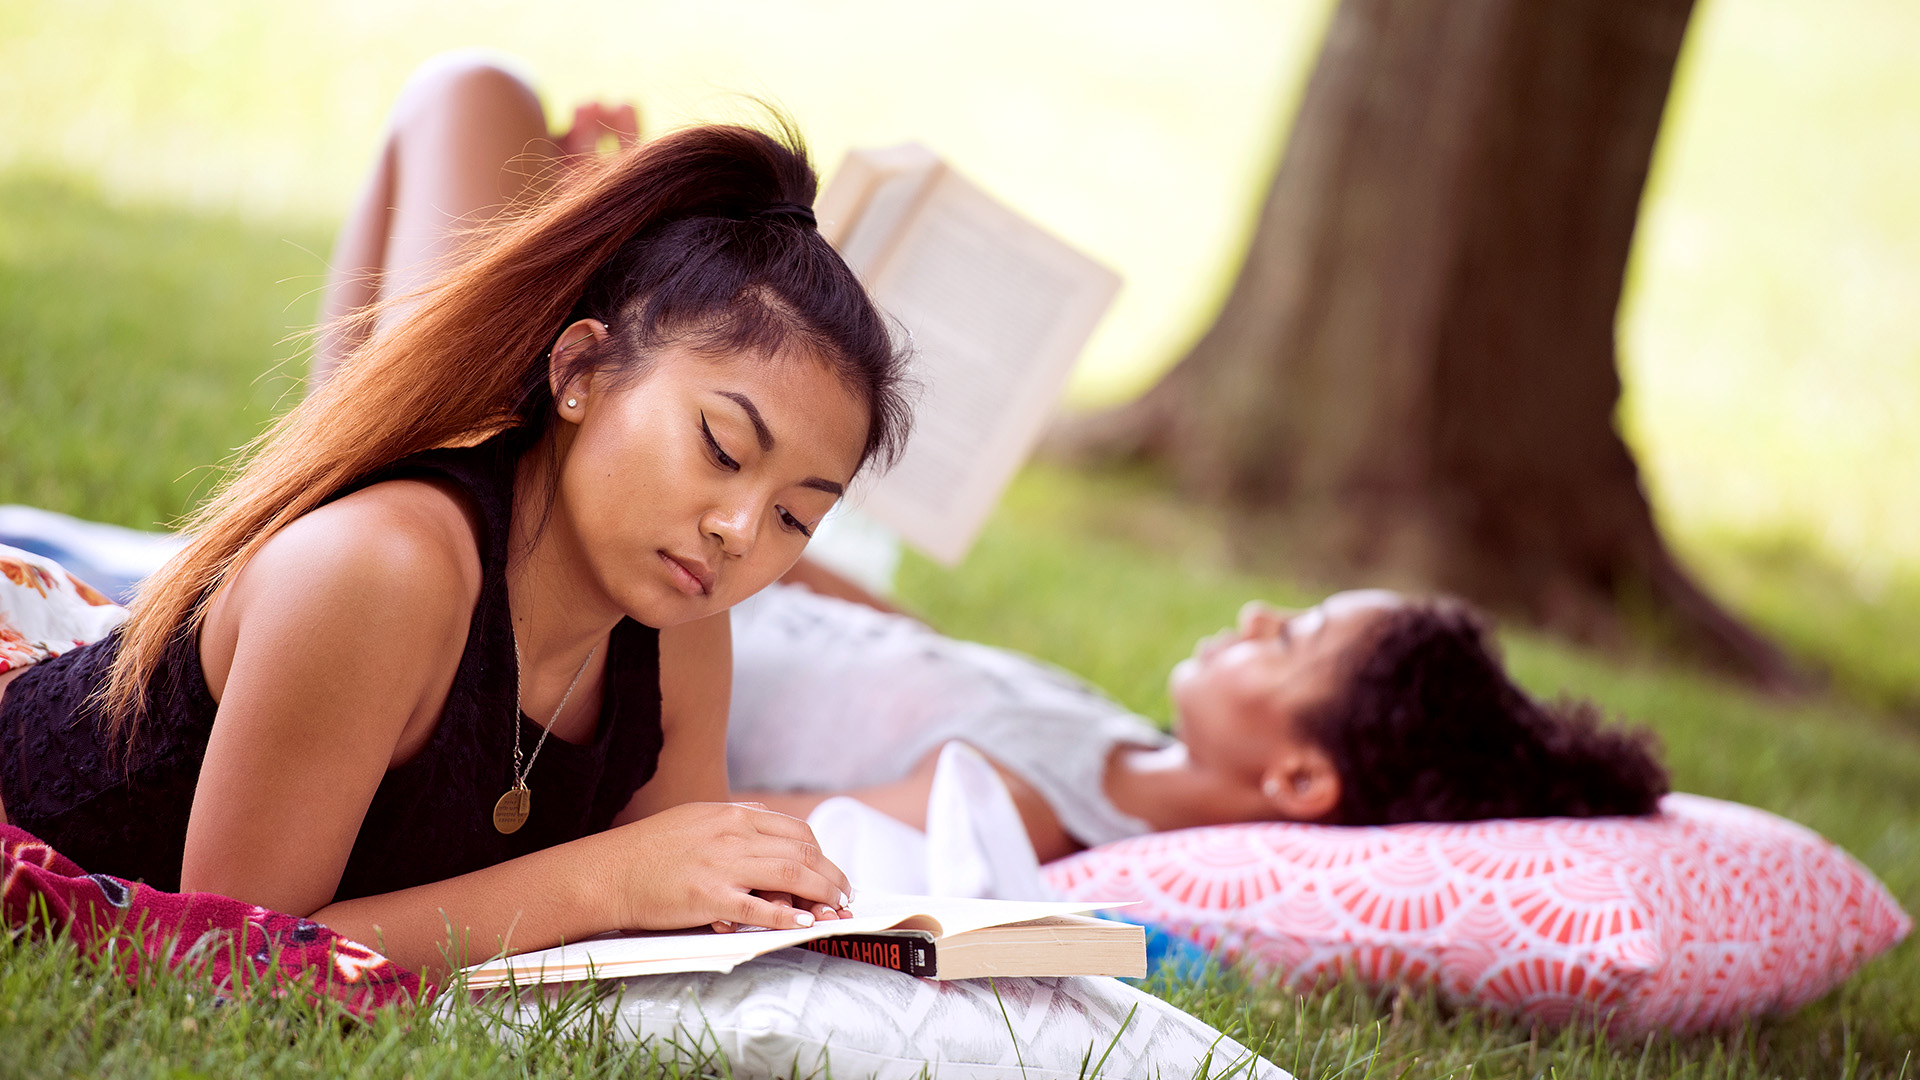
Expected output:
(115, 586)
(1168, 953)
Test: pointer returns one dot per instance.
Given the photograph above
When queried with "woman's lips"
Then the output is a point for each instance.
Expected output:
(692, 577)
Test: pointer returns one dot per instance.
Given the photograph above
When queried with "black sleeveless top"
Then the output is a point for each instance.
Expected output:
(430, 819)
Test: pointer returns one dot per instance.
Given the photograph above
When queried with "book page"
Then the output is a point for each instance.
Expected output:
(843, 204)
(997, 311)
(946, 916)
(704, 950)
(894, 190)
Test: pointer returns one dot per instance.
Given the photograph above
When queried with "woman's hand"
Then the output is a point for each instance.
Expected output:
(715, 863)
(820, 912)
(696, 864)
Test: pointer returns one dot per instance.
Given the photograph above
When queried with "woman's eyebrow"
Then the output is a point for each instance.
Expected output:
(760, 431)
(765, 438)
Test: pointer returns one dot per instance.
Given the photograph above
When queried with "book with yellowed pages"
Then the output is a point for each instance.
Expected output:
(932, 937)
(998, 309)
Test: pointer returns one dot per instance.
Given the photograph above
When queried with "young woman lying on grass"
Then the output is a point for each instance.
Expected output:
(1370, 708)
(446, 665)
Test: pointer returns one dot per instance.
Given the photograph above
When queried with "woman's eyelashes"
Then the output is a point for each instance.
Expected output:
(720, 457)
(725, 461)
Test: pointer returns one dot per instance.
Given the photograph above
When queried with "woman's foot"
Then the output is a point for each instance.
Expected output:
(599, 127)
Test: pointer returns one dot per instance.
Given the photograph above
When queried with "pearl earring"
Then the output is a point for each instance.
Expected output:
(1270, 787)
(572, 402)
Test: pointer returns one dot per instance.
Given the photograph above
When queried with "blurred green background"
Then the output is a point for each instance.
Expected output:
(170, 176)
(1768, 342)
(1771, 355)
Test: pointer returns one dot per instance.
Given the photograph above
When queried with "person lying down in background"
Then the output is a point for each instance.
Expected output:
(1369, 708)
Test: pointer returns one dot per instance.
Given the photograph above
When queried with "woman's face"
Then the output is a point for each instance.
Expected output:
(697, 485)
(1244, 690)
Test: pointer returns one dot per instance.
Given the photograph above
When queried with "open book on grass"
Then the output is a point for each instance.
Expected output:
(998, 310)
(933, 937)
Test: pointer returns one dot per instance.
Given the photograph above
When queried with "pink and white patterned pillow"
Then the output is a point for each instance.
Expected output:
(1693, 918)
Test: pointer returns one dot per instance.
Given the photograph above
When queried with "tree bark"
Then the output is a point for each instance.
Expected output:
(1414, 373)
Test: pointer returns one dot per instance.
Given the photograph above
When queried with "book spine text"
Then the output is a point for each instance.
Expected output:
(912, 955)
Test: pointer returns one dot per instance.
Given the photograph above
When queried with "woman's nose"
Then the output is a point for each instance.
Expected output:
(733, 526)
(1261, 619)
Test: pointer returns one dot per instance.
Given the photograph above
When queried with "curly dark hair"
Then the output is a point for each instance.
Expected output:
(1430, 728)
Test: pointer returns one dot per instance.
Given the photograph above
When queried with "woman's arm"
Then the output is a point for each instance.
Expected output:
(691, 865)
(696, 676)
(330, 654)
(696, 679)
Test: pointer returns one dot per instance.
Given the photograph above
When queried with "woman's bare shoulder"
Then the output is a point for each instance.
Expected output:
(394, 565)
(412, 539)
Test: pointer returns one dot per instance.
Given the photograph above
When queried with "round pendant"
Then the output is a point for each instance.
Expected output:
(511, 811)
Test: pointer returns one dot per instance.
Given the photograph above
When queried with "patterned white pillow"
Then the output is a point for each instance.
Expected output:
(1693, 918)
(796, 1013)
(45, 611)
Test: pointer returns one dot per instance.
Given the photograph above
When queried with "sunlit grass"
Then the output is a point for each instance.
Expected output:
(65, 1014)
(62, 1014)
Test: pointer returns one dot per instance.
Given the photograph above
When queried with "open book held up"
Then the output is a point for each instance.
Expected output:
(998, 310)
(933, 937)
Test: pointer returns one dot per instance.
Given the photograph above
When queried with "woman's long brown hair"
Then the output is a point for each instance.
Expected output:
(467, 356)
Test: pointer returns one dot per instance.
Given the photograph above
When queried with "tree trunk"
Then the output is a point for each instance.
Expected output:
(1414, 373)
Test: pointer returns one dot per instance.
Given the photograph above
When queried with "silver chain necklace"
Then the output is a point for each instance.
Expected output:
(512, 809)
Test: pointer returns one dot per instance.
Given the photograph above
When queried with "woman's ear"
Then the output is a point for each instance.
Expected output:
(1301, 783)
(570, 394)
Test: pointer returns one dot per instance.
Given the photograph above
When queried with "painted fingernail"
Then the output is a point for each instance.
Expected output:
(844, 900)
(804, 918)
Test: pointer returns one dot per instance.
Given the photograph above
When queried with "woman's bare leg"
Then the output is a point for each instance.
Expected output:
(467, 138)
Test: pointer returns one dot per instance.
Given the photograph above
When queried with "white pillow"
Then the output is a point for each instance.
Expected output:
(797, 1013)
(45, 611)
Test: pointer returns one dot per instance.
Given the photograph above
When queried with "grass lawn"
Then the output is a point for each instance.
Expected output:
(137, 347)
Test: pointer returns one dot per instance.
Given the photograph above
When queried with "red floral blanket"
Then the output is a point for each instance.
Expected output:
(234, 944)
